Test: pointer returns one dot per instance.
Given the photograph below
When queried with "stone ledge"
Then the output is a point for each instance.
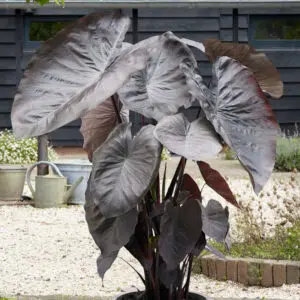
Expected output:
(249, 271)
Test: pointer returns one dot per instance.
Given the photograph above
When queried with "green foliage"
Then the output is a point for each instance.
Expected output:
(287, 154)
(229, 153)
(43, 2)
(284, 245)
(42, 31)
(24, 151)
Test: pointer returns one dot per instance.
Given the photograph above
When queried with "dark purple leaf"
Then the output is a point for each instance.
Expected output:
(62, 81)
(189, 184)
(215, 180)
(195, 141)
(264, 71)
(200, 246)
(104, 263)
(96, 125)
(180, 229)
(215, 221)
(124, 169)
(161, 88)
(241, 114)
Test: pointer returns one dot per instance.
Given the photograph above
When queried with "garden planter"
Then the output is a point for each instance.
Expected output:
(12, 179)
(139, 296)
(72, 170)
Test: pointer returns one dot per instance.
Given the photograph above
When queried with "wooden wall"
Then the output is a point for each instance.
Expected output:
(197, 24)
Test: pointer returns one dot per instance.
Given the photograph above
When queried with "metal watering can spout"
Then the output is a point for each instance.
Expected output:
(51, 191)
(72, 188)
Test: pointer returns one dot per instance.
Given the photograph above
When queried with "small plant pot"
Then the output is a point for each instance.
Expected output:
(139, 296)
(12, 180)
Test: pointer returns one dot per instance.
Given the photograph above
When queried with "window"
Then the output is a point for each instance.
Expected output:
(42, 31)
(278, 31)
(39, 29)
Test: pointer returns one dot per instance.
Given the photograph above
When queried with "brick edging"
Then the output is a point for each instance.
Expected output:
(249, 271)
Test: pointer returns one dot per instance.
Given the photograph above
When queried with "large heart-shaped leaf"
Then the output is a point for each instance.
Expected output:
(110, 234)
(97, 124)
(216, 181)
(264, 71)
(180, 229)
(196, 140)
(161, 88)
(241, 114)
(215, 220)
(123, 169)
(65, 70)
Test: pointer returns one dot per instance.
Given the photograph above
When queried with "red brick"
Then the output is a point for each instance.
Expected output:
(266, 270)
(292, 273)
(204, 266)
(212, 268)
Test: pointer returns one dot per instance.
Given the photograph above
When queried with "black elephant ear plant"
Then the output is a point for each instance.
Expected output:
(86, 71)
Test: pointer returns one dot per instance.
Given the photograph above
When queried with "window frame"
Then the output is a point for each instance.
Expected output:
(28, 44)
(253, 19)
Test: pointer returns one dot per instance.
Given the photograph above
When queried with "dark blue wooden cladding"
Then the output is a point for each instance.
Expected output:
(196, 24)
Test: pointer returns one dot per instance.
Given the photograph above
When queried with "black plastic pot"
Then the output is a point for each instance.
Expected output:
(140, 296)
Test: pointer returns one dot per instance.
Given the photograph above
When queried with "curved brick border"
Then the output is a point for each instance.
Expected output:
(249, 271)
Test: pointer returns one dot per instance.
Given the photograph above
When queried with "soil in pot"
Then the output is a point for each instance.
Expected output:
(141, 296)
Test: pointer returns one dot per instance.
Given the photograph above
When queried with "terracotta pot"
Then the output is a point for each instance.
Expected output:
(138, 296)
(12, 179)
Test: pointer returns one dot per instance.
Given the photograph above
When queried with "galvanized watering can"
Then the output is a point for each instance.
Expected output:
(50, 190)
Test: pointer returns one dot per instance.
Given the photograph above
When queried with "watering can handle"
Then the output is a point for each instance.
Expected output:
(28, 173)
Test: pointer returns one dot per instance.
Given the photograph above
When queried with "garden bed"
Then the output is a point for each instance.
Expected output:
(249, 271)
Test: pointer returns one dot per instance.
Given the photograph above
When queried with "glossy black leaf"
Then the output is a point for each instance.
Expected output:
(200, 246)
(180, 229)
(123, 169)
(215, 220)
(64, 79)
(196, 140)
(189, 184)
(241, 114)
(161, 88)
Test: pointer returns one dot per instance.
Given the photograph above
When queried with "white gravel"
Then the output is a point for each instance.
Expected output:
(48, 252)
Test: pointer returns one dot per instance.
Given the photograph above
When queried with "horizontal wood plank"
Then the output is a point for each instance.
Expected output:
(7, 92)
(7, 22)
(8, 78)
(7, 36)
(8, 50)
(284, 58)
(172, 24)
(5, 105)
(288, 116)
(7, 63)
(5, 121)
(178, 12)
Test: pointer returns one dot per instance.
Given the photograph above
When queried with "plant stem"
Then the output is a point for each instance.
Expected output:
(114, 100)
(188, 279)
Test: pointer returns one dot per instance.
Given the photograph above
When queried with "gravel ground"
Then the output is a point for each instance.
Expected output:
(48, 252)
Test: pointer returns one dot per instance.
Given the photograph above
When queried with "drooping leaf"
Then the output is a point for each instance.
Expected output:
(189, 184)
(160, 89)
(264, 71)
(180, 229)
(123, 169)
(216, 181)
(104, 262)
(110, 234)
(241, 114)
(96, 126)
(215, 220)
(61, 83)
(195, 141)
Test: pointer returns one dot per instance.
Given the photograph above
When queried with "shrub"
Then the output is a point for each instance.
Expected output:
(287, 154)
(23, 151)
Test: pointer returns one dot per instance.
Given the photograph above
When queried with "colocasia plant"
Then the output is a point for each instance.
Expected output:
(87, 71)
